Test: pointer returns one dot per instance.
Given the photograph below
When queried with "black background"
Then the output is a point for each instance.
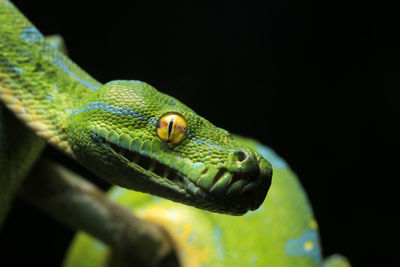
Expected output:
(316, 80)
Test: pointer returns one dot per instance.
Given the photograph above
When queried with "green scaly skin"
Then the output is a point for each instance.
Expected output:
(282, 232)
(60, 103)
(111, 128)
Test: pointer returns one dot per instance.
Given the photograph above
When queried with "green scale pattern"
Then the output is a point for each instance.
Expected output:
(106, 127)
(93, 123)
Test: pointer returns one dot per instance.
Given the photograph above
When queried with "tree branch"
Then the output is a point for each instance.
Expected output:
(82, 206)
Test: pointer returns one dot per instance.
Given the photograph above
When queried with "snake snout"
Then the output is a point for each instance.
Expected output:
(246, 181)
(257, 183)
(247, 190)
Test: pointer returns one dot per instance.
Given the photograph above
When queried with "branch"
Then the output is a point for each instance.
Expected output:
(82, 206)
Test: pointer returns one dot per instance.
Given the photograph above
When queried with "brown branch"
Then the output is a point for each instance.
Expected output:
(82, 206)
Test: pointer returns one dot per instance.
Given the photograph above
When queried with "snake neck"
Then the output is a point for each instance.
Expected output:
(38, 83)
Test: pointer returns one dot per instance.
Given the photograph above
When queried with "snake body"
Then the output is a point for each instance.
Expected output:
(135, 137)
(282, 232)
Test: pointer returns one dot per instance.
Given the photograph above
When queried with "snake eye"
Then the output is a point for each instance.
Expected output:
(172, 128)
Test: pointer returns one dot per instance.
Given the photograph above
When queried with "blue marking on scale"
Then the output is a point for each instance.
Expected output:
(97, 138)
(210, 144)
(153, 121)
(137, 88)
(197, 165)
(31, 34)
(23, 52)
(298, 246)
(9, 65)
(123, 145)
(98, 105)
(116, 193)
(55, 43)
(217, 234)
(172, 101)
(17, 70)
(154, 199)
(99, 246)
(130, 81)
(272, 157)
(135, 147)
(60, 63)
(192, 237)
(137, 82)
(49, 97)
(253, 260)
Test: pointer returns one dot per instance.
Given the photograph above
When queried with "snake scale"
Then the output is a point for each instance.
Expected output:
(131, 135)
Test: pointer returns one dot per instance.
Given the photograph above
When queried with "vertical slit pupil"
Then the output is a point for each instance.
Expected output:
(170, 125)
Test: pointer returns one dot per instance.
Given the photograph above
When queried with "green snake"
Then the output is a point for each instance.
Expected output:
(131, 135)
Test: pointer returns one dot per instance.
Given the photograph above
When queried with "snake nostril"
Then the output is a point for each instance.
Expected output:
(241, 155)
(204, 171)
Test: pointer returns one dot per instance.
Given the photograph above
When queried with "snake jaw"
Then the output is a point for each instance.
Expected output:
(159, 171)
(234, 192)
(150, 167)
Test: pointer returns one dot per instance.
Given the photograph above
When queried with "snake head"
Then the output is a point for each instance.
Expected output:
(133, 136)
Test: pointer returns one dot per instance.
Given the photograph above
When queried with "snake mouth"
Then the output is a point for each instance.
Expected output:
(244, 191)
(171, 176)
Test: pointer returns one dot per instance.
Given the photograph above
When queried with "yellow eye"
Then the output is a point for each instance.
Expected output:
(172, 128)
